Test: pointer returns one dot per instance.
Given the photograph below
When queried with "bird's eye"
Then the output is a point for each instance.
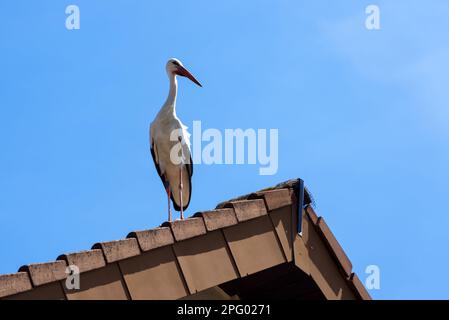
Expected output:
(176, 63)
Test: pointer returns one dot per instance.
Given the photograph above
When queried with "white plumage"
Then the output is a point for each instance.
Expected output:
(170, 144)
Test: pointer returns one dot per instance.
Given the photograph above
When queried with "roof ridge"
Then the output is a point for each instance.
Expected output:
(137, 242)
(226, 214)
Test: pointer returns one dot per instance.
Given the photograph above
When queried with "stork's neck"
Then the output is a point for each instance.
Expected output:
(170, 103)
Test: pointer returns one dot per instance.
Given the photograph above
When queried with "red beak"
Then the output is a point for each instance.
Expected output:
(185, 73)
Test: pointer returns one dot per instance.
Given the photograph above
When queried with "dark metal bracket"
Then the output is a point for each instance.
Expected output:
(300, 197)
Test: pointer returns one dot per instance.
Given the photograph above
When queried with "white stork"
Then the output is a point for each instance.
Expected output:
(170, 144)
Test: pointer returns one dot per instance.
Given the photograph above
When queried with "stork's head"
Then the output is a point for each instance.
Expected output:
(175, 67)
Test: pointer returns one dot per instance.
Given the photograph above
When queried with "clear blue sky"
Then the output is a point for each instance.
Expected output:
(363, 118)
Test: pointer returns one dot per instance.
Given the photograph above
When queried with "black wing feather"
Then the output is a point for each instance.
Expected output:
(153, 155)
(189, 168)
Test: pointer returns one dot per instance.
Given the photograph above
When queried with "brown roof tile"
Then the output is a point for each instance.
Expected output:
(119, 249)
(292, 185)
(85, 260)
(14, 283)
(274, 199)
(247, 209)
(42, 273)
(217, 219)
(225, 204)
(153, 238)
(185, 229)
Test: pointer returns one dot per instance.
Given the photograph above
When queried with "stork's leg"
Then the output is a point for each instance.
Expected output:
(180, 179)
(168, 202)
(167, 189)
(180, 192)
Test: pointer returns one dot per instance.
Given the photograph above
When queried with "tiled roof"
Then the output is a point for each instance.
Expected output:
(242, 238)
